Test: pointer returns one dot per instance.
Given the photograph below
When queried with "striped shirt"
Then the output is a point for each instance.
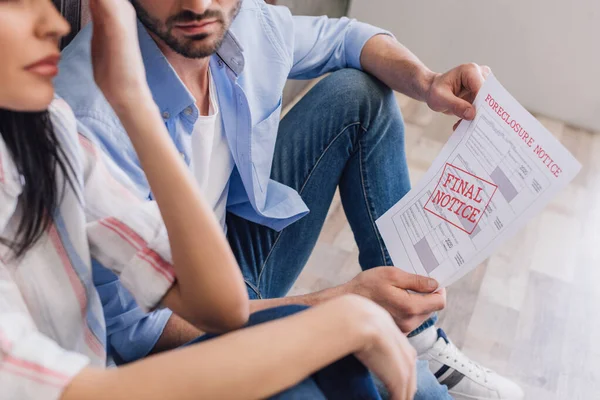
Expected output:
(51, 318)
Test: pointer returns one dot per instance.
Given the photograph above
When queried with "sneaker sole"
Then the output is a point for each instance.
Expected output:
(461, 396)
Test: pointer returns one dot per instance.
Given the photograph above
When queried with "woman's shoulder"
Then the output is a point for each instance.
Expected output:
(9, 175)
(62, 117)
(66, 128)
(10, 185)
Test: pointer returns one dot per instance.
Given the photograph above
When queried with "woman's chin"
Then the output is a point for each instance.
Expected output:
(41, 101)
(29, 101)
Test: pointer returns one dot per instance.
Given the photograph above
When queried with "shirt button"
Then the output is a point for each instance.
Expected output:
(188, 111)
(220, 63)
(166, 115)
(182, 156)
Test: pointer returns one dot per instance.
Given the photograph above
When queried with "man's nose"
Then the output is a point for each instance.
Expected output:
(197, 6)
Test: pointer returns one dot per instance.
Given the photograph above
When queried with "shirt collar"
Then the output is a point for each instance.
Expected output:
(169, 92)
(231, 52)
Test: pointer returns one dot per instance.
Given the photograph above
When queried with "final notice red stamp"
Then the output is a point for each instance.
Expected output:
(461, 198)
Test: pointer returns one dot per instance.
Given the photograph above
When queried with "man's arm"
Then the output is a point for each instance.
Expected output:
(178, 331)
(396, 66)
(320, 45)
(131, 333)
(386, 286)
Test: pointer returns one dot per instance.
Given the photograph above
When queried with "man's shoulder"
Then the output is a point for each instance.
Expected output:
(75, 82)
(271, 26)
(262, 15)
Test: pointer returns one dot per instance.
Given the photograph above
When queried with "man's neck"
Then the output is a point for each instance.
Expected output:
(193, 72)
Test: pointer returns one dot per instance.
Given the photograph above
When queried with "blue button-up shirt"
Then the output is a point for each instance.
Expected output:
(265, 46)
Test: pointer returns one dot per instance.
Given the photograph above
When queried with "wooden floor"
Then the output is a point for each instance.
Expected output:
(531, 311)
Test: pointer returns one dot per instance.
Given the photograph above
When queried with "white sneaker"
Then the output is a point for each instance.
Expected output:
(466, 380)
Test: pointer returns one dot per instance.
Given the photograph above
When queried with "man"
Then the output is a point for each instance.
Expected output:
(217, 70)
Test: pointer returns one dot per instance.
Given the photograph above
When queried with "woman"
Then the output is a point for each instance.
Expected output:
(59, 207)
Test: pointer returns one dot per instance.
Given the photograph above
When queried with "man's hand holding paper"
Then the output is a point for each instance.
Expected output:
(453, 92)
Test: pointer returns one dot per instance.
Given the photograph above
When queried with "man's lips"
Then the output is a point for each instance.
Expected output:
(196, 27)
(46, 67)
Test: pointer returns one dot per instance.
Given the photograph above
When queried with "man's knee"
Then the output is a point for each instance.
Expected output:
(358, 93)
(353, 85)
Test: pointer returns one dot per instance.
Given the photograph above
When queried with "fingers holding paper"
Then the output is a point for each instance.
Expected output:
(454, 91)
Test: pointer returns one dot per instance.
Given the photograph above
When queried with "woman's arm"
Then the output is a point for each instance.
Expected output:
(261, 361)
(247, 364)
(209, 288)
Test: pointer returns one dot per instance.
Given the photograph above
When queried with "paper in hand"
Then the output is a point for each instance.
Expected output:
(494, 174)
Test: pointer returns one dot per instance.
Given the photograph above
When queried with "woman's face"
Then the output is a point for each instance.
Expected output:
(30, 31)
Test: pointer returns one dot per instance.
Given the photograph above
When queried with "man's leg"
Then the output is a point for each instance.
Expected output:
(346, 132)
(427, 385)
(345, 379)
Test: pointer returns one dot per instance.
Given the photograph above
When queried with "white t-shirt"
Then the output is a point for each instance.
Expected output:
(212, 162)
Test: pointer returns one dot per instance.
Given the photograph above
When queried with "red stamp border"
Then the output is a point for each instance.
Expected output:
(474, 176)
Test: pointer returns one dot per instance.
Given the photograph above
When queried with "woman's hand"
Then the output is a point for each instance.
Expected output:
(118, 68)
(386, 351)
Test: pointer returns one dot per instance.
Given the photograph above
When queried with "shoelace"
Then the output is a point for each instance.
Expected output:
(451, 352)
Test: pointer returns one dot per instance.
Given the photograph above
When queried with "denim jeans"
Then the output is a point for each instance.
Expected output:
(346, 379)
(346, 133)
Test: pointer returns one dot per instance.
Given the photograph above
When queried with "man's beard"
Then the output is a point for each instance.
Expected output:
(196, 46)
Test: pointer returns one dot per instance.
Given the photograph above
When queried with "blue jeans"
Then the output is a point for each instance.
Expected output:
(347, 132)
(346, 379)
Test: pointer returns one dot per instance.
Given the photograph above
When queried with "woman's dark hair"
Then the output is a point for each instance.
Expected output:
(38, 156)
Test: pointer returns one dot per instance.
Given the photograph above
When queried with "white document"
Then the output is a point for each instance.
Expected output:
(494, 174)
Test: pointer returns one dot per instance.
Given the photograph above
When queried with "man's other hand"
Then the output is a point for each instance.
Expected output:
(389, 287)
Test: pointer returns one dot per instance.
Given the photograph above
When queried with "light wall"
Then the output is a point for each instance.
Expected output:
(546, 52)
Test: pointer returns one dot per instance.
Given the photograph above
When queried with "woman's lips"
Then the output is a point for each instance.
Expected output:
(47, 67)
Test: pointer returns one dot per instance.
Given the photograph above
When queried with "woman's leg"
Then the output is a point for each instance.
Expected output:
(345, 379)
